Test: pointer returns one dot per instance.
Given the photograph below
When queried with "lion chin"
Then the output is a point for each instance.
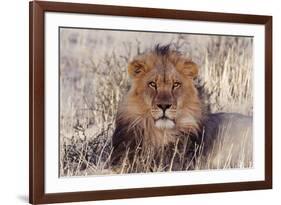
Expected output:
(164, 123)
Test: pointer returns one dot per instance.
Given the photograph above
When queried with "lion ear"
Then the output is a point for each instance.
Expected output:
(136, 68)
(189, 68)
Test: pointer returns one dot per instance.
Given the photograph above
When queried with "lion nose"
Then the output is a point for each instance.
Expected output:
(164, 106)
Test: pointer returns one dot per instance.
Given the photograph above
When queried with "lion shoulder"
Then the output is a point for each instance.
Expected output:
(227, 137)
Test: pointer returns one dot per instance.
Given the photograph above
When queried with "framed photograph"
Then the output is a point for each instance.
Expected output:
(139, 102)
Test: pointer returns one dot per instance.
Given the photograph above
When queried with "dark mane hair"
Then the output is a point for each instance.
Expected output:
(162, 50)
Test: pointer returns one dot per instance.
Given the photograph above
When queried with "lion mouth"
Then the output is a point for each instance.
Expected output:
(164, 123)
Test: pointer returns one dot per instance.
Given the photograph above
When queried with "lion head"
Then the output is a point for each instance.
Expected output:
(162, 102)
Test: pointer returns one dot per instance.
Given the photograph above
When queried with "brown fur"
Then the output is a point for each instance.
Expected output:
(161, 78)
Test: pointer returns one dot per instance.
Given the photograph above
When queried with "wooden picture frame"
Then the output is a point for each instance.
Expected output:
(37, 10)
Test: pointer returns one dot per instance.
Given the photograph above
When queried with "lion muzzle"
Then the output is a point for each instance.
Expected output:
(164, 121)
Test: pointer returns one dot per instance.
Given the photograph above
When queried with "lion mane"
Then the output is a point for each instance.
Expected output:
(162, 82)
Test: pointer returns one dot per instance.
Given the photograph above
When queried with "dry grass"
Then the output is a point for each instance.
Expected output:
(93, 79)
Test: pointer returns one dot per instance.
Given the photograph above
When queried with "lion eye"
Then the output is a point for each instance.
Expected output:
(152, 85)
(176, 85)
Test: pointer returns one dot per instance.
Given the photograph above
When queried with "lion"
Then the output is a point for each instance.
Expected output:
(163, 113)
